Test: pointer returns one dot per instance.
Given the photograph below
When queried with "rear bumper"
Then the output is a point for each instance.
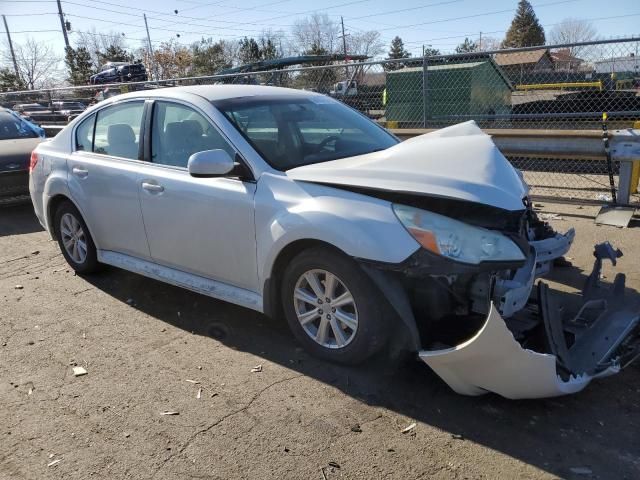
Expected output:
(603, 337)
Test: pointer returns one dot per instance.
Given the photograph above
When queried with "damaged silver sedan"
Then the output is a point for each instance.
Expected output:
(294, 205)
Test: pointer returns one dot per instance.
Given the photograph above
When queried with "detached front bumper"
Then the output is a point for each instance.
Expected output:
(551, 248)
(602, 338)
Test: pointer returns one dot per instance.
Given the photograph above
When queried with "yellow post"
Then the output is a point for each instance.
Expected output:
(635, 172)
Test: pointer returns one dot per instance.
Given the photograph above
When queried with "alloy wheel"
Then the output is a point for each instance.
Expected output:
(325, 308)
(73, 238)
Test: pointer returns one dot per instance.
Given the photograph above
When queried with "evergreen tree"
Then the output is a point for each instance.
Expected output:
(467, 46)
(9, 81)
(114, 53)
(525, 29)
(268, 49)
(249, 51)
(208, 57)
(397, 50)
(79, 64)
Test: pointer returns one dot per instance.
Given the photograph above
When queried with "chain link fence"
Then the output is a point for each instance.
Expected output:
(552, 87)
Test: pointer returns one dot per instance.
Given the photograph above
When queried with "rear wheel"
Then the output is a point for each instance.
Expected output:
(332, 307)
(74, 239)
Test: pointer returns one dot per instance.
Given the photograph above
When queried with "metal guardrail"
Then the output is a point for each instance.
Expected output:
(567, 145)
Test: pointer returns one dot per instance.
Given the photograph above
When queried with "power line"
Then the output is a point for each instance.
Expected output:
(405, 9)
(29, 14)
(496, 12)
(595, 19)
(174, 17)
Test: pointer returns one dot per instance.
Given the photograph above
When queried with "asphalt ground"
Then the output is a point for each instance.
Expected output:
(144, 345)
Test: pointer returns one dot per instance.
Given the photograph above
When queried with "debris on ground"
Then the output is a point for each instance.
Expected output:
(126, 434)
(199, 394)
(581, 470)
(55, 462)
(19, 287)
(195, 382)
(256, 369)
(79, 371)
(356, 428)
(457, 436)
(35, 252)
(334, 464)
(603, 197)
(130, 301)
(409, 428)
(549, 216)
(169, 412)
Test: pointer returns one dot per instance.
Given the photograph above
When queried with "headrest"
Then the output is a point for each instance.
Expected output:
(120, 133)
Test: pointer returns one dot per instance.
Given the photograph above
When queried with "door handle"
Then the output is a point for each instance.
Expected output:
(80, 172)
(152, 187)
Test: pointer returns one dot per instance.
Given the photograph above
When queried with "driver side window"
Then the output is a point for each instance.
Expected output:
(178, 131)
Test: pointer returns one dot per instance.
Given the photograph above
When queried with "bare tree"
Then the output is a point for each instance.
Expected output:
(573, 30)
(98, 43)
(487, 44)
(316, 32)
(365, 43)
(37, 63)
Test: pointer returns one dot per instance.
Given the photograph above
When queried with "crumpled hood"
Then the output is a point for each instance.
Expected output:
(459, 162)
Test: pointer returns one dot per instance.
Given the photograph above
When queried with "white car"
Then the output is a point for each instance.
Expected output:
(293, 204)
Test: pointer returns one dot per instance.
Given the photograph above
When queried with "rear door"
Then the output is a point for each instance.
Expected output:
(203, 226)
(103, 177)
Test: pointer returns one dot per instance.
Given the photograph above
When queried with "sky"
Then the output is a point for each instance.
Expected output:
(440, 23)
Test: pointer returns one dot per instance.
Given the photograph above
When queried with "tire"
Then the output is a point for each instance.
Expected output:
(338, 342)
(71, 229)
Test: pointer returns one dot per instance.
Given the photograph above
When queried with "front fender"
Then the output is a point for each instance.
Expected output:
(360, 226)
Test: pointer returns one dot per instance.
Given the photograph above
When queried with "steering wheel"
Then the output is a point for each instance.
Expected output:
(326, 141)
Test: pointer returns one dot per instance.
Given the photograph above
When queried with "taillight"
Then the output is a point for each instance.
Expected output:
(33, 162)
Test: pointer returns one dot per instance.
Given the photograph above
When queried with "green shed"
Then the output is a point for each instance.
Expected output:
(462, 90)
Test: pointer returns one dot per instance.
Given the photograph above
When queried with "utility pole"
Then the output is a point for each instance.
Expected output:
(64, 28)
(480, 42)
(150, 47)
(344, 46)
(13, 54)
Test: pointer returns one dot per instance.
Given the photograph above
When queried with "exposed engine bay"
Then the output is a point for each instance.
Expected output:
(489, 328)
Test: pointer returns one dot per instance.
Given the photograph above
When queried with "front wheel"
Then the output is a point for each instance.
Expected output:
(332, 306)
(75, 240)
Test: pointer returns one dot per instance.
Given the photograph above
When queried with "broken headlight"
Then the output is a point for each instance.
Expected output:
(456, 240)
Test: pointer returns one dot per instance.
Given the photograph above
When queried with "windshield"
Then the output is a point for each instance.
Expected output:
(12, 128)
(291, 131)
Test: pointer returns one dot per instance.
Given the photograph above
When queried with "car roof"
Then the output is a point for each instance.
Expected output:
(220, 92)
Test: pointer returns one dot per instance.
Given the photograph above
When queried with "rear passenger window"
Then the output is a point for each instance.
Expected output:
(178, 132)
(118, 130)
(84, 134)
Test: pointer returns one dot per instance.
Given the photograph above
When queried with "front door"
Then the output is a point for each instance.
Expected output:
(102, 177)
(203, 226)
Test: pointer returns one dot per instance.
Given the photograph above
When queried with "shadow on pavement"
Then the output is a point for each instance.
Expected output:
(18, 219)
(592, 429)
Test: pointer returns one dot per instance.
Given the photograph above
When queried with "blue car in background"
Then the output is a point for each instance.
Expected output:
(18, 138)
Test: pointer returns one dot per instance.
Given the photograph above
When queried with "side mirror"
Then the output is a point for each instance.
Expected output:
(210, 163)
